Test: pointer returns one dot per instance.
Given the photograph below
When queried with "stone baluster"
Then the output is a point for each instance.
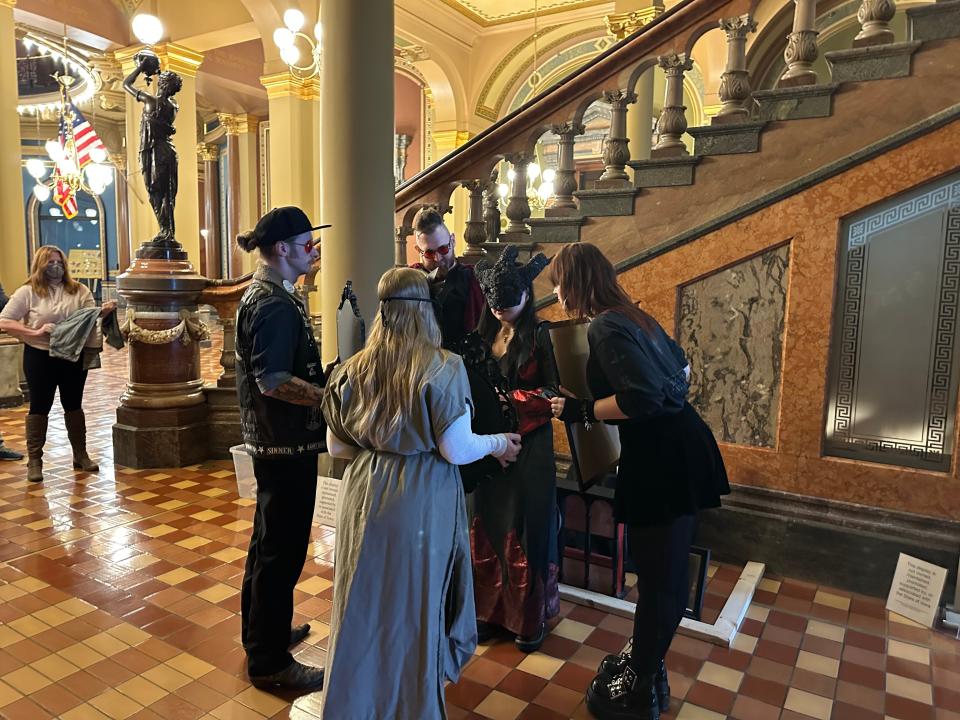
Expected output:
(672, 122)
(401, 233)
(491, 207)
(802, 48)
(874, 17)
(565, 184)
(616, 150)
(475, 234)
(228, 354)
(518, 207)
(735, 88)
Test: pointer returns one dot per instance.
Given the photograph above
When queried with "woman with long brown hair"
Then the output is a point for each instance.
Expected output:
(670, 468)
(402, 620)
(48, 297)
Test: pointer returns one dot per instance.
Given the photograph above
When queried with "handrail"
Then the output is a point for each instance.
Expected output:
(674, 31)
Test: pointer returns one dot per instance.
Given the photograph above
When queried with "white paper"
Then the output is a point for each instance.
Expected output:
(916, 590)
(325, 509)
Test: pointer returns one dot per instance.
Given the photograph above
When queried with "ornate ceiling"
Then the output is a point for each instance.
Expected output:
(496, 12)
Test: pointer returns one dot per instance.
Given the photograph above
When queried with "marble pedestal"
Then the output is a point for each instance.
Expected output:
(11, 359)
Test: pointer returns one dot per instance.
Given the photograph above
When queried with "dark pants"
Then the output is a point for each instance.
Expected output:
(45, 374)
(286, 490)
(661, 556)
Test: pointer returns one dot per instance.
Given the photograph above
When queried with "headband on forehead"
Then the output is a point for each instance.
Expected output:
(504, 282)
(384, 301)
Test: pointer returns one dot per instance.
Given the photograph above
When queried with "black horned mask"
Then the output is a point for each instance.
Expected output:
(504, 281)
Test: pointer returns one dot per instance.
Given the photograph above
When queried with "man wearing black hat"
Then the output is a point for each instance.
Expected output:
(280, 385)
(453, 285)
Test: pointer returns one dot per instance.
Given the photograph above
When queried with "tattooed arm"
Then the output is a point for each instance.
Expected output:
(297, 392)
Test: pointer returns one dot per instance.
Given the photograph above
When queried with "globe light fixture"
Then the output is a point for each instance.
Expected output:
(147, 28)
(291, 38)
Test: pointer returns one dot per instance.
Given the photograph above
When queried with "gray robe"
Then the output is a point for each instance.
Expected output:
(403, 618)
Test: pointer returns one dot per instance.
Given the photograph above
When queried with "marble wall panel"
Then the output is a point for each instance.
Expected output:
(731, 328)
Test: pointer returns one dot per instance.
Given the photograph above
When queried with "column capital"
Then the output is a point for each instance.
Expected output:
(238, 124)
(208, 152)
(568, 129)
(622, 24)
(674, 63)
(119, 161)
(738, 27)
(619, 98)
(182, 60)
(286, 84)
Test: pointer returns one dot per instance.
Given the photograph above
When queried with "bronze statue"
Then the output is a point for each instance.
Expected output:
(158, 157)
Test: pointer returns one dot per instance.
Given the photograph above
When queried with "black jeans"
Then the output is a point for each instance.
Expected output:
(661, 555)
(45, 374)
(286, 490)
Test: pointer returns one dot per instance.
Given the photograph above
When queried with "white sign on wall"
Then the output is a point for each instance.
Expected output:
(916, 590)
(325, 510)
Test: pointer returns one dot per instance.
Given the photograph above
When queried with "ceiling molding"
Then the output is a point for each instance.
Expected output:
(471, 9)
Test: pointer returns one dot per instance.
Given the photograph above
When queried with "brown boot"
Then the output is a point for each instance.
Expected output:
(36, 429)
(77, 432)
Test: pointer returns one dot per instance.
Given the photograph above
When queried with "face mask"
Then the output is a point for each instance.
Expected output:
(54, 272)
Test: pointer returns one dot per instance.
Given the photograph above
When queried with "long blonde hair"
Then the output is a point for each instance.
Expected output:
(405, 340)
(38, 279)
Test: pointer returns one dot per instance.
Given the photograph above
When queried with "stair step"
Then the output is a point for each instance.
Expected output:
(664, 172)
(556, 229)
(936, 21)
(727, 139)
(876, 62)
(606, 202)
(795, 103)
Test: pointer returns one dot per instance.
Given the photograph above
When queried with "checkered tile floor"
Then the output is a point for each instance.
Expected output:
(119, 599)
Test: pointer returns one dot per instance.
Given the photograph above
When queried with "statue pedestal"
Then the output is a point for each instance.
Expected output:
(11, 360)
(162, 418)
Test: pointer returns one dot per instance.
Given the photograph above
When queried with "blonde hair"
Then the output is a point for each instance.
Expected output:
(390, 370)
(38, 279)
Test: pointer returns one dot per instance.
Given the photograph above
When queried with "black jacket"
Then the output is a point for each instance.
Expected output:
(274, 343)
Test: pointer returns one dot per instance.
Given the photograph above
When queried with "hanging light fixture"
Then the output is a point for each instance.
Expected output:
(286, 37)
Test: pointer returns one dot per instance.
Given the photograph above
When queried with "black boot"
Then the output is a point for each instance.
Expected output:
(532, 643)
(624, 697)
(662, 687)
(613, 665)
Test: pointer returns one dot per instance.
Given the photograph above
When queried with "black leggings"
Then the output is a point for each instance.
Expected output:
(45, 374)
(661, 556)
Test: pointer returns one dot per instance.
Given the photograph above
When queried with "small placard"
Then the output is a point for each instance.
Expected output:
(916, 590)
(325, 509)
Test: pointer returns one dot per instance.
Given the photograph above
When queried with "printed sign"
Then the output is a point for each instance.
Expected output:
(325, 510)
(916, 590)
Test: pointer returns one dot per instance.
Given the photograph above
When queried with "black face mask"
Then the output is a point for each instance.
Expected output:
(504, 282)
(54, 272)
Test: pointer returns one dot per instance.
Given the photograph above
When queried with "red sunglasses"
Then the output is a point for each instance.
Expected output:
(307, 246)
(431, 254)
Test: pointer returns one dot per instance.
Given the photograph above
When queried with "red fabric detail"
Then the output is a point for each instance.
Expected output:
(505, 596)
(533, 410)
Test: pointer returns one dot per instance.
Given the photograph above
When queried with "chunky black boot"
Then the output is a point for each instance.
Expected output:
(624, 697)
(613, 665)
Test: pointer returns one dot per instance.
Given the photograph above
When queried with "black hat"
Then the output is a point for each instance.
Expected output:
(282, 223)
(504, 282)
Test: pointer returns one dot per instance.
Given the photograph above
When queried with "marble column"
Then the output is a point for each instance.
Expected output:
(242, 184)
(356, 133)
(13, 248)
(119, 162)
(562, 203)
(475, 234)
(616, 151)
(630, 16)
(295, 154)
(518, 205)
(735, 88)
(801, 49)
(672, 122)
(209, 155)
(875, 17)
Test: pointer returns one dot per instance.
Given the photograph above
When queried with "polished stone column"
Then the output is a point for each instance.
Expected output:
(209, 155)
(735, 88)
(875, 17)
(491, 207)
(475, 234)
(242, 184)
(673, 121)
(400, 235)
(518, 206)
(119, 162)
(616, 151)
(356, 134)
(13, 248)
(562, 203)
(802, 48)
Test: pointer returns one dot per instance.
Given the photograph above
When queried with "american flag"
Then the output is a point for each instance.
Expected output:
(84, 138)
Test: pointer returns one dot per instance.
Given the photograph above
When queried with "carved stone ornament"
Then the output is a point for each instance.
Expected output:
(874, 17)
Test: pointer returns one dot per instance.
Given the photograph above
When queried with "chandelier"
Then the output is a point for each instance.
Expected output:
(77, 156)
(285, 38)
(539, 186)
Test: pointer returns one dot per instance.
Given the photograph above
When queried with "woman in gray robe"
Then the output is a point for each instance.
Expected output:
(403, 617)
